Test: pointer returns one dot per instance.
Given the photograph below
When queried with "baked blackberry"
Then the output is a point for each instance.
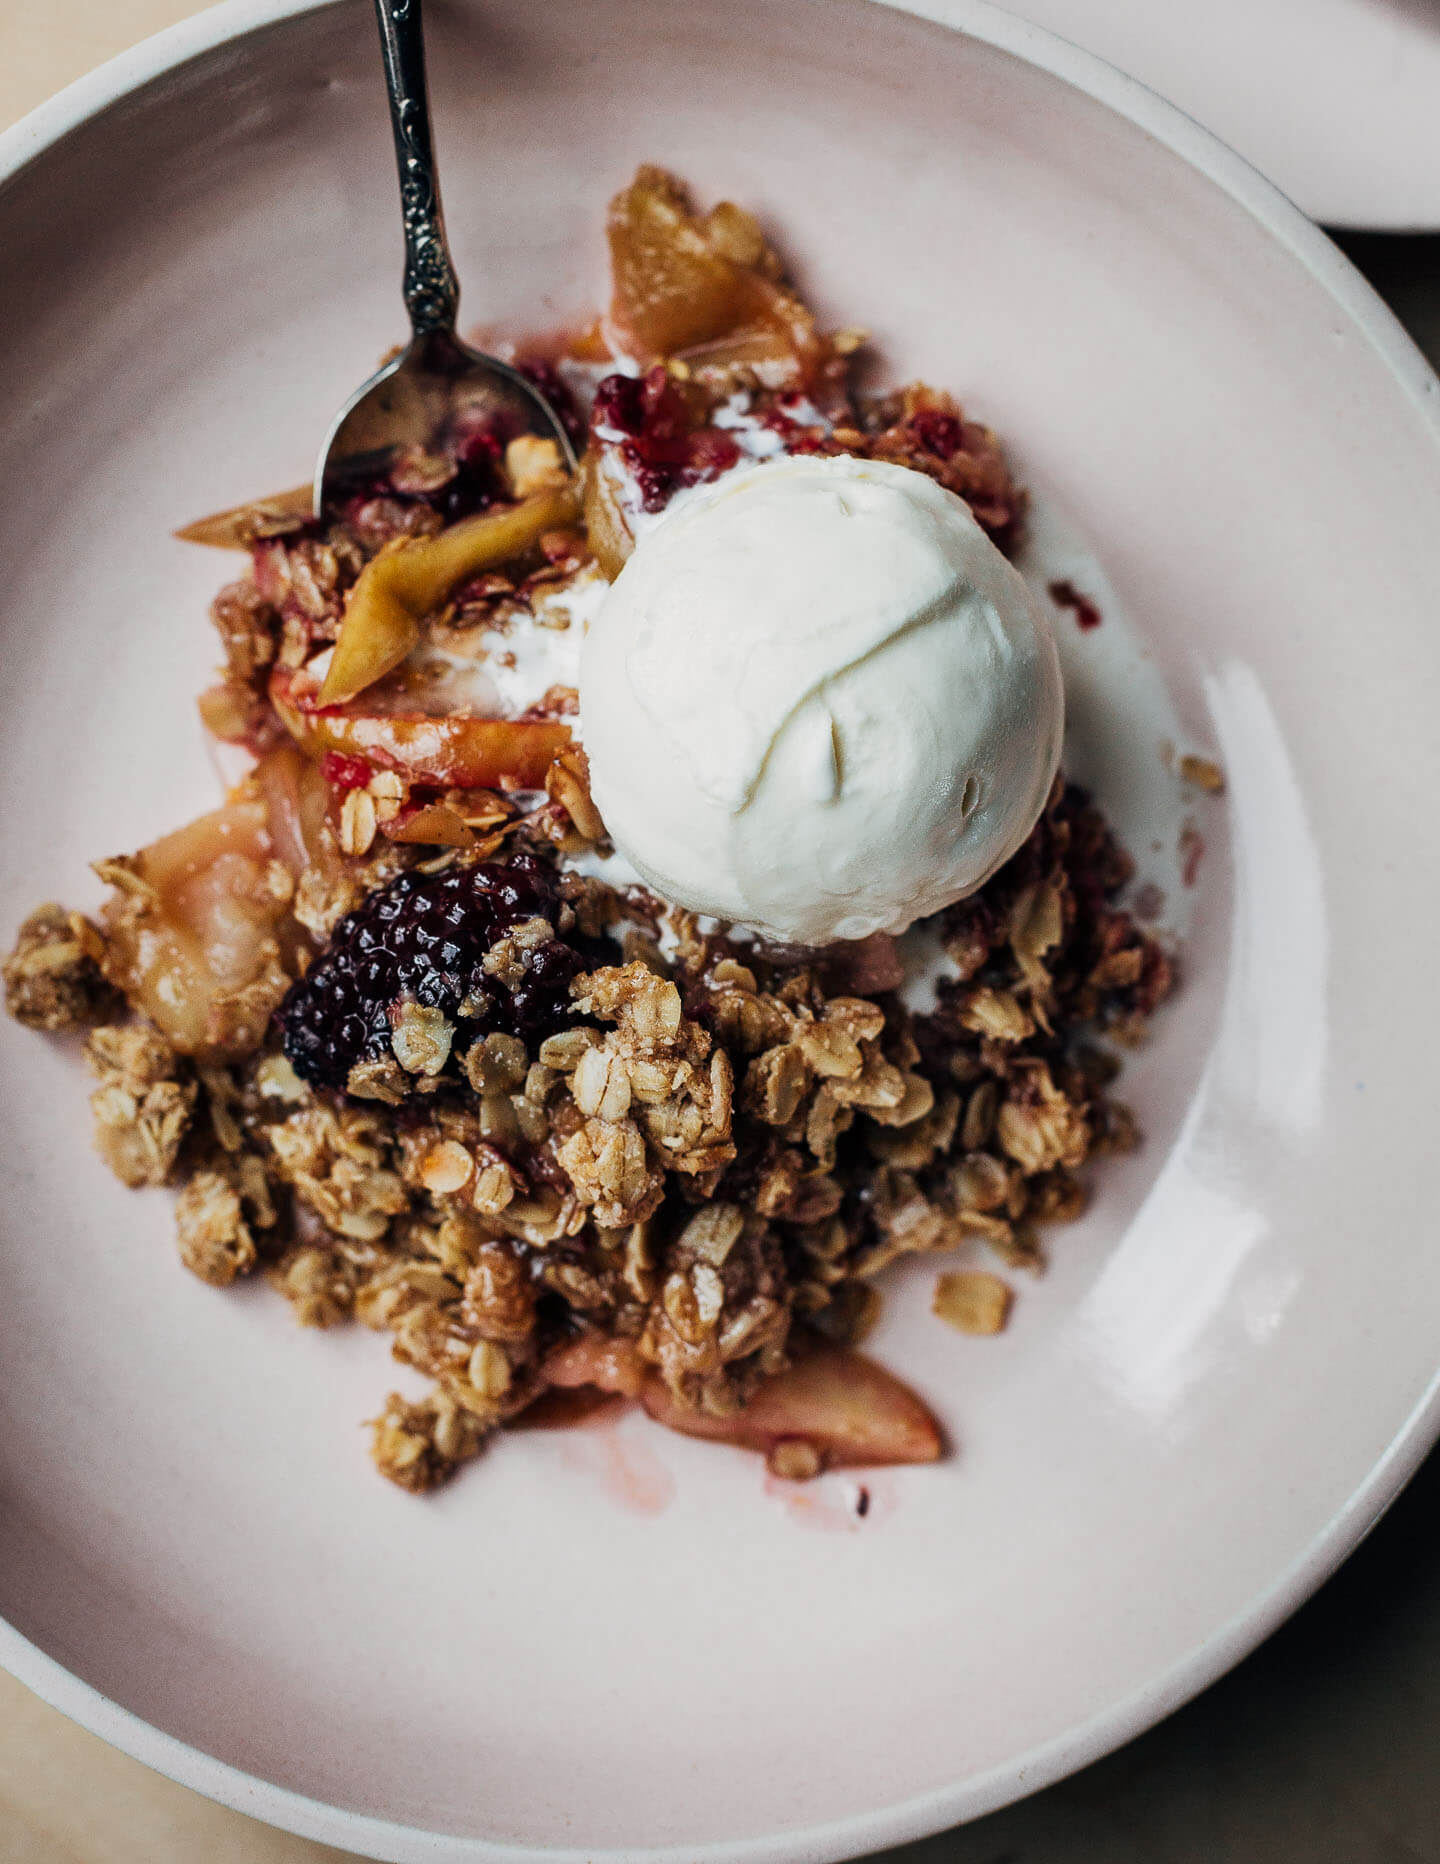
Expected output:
(423, 938)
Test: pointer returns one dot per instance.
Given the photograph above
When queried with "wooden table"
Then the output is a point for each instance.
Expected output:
(1320, 1750)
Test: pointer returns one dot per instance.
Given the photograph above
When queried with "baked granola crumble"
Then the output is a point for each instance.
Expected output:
(411, 1046)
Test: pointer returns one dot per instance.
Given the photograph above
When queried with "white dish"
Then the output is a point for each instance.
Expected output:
(1334, 100)
(614, 1646)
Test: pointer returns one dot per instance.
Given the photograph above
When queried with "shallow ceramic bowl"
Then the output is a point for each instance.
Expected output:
(614, 1644)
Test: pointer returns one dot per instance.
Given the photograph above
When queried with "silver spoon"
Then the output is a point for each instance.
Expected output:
(436, 381)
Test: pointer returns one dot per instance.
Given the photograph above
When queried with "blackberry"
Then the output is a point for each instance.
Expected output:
(423, 939)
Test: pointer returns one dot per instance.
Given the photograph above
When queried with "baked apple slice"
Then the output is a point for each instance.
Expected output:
(244, 525)
(846, 1409)
(600, 1363)
(413, 576)
(198, 929)
(687, 285)
(297, 808)
(446, 752)
(605, 525)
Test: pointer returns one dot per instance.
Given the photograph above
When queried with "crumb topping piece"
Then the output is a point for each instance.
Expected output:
(143, 1104)
(53, 978)
(973, 1301)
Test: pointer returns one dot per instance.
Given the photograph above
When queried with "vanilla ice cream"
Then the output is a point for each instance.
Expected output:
(818, 701)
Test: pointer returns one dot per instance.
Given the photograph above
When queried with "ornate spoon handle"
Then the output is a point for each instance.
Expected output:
(432, 294)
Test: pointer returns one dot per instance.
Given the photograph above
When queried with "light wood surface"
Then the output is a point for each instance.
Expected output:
(67, 1798)
(1319, 1750)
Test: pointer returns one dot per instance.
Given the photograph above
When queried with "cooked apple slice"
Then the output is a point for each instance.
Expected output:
(459, 753)
(781, 353)
(412, 577)
(850, 1410)
(566, 1407)
(608, 533)
(297, 802)
(672, 286)
(609, 1365)
(581, 1380)
(685, 286)
(193, 934)
(431, 825)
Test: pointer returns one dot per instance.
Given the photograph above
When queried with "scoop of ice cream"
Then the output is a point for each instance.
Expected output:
(818, 701)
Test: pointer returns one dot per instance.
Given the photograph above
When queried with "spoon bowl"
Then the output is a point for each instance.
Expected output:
(432, 400)
(438, 398)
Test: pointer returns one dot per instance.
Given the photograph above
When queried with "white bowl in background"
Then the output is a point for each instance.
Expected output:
(1334, 100)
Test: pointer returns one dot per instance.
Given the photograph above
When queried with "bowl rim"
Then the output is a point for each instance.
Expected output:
(935, 1811)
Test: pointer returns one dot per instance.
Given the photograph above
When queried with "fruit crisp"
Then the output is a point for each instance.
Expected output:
(413, 1044)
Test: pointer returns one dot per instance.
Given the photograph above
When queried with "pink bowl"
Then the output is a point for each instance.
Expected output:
(611, 1645)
